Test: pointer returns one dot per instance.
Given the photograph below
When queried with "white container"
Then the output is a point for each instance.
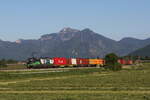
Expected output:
(51, 61)
(73, 61)
(42, 61)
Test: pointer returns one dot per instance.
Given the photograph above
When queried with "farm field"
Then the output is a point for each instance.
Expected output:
(132, 83)
(14, 67)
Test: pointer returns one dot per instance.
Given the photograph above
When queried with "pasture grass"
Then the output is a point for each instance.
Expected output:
(77, 84)
(13, 67)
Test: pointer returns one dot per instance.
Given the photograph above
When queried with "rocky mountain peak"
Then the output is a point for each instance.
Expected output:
(87, 30)
(68, 30)
(70, 43)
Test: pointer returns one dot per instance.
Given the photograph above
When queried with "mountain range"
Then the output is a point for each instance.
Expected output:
(69, 42)
(142, 52)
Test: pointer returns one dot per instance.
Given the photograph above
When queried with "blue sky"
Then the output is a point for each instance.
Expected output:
(29, 19)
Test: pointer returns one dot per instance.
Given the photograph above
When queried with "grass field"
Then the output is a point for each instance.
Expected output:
(13, 67)
(132, 83)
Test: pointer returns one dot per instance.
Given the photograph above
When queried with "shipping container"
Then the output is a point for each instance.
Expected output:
(122, 61)
(101, 61)
(43, 61)
(49, 61)
(82, 62)
(60, 61)
(71, 62)
(74, 61)
(96, 61)
(93, 62)
(46, 61)
(125, 62)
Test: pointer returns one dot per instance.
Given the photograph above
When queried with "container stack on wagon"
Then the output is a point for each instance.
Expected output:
(96, 62)
(57, 62)
(125, 62)
(64, 62)
(71, 62)
(60, 62)
(82, 62)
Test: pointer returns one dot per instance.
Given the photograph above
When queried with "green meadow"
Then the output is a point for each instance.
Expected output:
(131, 83)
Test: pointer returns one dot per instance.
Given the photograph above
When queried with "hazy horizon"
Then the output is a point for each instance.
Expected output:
(29, 19)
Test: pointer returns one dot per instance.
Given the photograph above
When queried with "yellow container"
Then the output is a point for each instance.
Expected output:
(96, 61)
(92, 61)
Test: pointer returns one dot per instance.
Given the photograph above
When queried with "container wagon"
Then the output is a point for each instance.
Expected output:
(57, 62)
(125, 62)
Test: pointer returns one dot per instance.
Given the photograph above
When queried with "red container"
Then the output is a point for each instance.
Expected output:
(122, 61)
(69, 62)
(60, 61)
(81, 61)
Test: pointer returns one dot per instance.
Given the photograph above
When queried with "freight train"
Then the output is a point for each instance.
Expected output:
(58, 62)
(63, 62)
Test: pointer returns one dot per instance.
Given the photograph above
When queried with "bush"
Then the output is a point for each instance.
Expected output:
(115, 67)
(112, 62)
